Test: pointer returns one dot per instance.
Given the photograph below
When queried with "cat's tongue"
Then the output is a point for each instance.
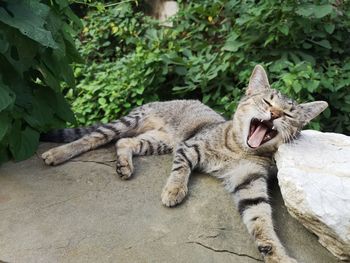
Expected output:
(257, 137)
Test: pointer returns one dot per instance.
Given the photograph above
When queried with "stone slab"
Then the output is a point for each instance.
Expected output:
(82, 212)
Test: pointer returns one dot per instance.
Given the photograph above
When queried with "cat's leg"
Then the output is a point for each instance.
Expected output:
(252, 200)
(102, 135)
(148, 143)
(186, 158)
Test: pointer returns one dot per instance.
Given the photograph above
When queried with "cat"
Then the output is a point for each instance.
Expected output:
(238, 151)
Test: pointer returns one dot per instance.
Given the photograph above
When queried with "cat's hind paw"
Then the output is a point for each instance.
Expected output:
(124, 168)
(173, 194)
(54, 156)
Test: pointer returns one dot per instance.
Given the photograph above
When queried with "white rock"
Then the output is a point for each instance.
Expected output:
(170, 8)
(163, 10)
(314, 177)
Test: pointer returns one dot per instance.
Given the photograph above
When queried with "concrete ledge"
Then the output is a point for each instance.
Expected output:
(81, 212)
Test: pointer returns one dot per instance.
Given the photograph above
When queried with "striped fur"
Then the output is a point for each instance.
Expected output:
(201, 139)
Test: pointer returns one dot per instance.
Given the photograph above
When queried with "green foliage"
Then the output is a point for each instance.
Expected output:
(209, 54)
(36, 50)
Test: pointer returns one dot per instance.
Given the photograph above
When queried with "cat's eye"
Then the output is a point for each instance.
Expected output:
(267, 102)
(288, 115)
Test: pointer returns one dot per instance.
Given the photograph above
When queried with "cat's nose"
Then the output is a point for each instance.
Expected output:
(275, 113)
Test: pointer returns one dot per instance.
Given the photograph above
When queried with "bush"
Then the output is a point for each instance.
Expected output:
(209, 54)
(36, 49)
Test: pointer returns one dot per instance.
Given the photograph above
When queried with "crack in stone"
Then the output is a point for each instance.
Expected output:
(223, 250)
(83, 161)
(97, 162)
(210, 236)
(137, 244)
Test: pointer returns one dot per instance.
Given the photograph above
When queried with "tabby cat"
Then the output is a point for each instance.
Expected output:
(238, 151)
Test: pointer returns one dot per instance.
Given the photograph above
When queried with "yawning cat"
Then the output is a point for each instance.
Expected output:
(238, 151)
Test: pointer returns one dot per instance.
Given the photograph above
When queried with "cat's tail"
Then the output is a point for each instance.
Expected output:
(68, 134)
(116, 129)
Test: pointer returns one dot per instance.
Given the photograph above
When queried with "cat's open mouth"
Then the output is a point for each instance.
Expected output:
(260, 131)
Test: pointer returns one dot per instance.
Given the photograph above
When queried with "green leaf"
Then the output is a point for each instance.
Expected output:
(315, 125)
(307, 57)
(62, 108)
(329, 28)
(23, 144)
(323, 10)
(6, 96)
(232, 44)
(140, 90)
(4, 44)
(269, 40)
(40, 114)
(139, 102)
(206, 98)
(324, 43)
(58, 64)
(102, 101)
(312, 85)
(288, 79)
(182, 71)
(305, 10)
(127, 105)
(49, 77)
(307, 45)
(296, 86)
(5, 99)
(152, 34)
(28, 16)
(284, 29)
(21, 51)
(318, 11)
(23, 93)
(4, 124)
(327, 113)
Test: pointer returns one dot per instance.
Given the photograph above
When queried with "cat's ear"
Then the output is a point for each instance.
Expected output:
(311, 110)
(258, 81)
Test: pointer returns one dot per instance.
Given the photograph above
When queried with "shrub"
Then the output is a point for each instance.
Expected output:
(36, 49)
(209, 54)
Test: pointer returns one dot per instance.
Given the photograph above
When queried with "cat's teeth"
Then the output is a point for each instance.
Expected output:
(261, 120)
(273, 128)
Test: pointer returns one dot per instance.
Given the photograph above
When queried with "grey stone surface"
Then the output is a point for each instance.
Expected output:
(81, 212)
(314, 177)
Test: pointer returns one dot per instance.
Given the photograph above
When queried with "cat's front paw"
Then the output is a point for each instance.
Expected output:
(54, 156)
(173, 194)
(124, 168)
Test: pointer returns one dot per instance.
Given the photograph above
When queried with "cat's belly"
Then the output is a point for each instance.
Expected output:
(216, 166)
(234, 168)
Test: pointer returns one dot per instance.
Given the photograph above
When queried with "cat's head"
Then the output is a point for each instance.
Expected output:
(265, 118)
